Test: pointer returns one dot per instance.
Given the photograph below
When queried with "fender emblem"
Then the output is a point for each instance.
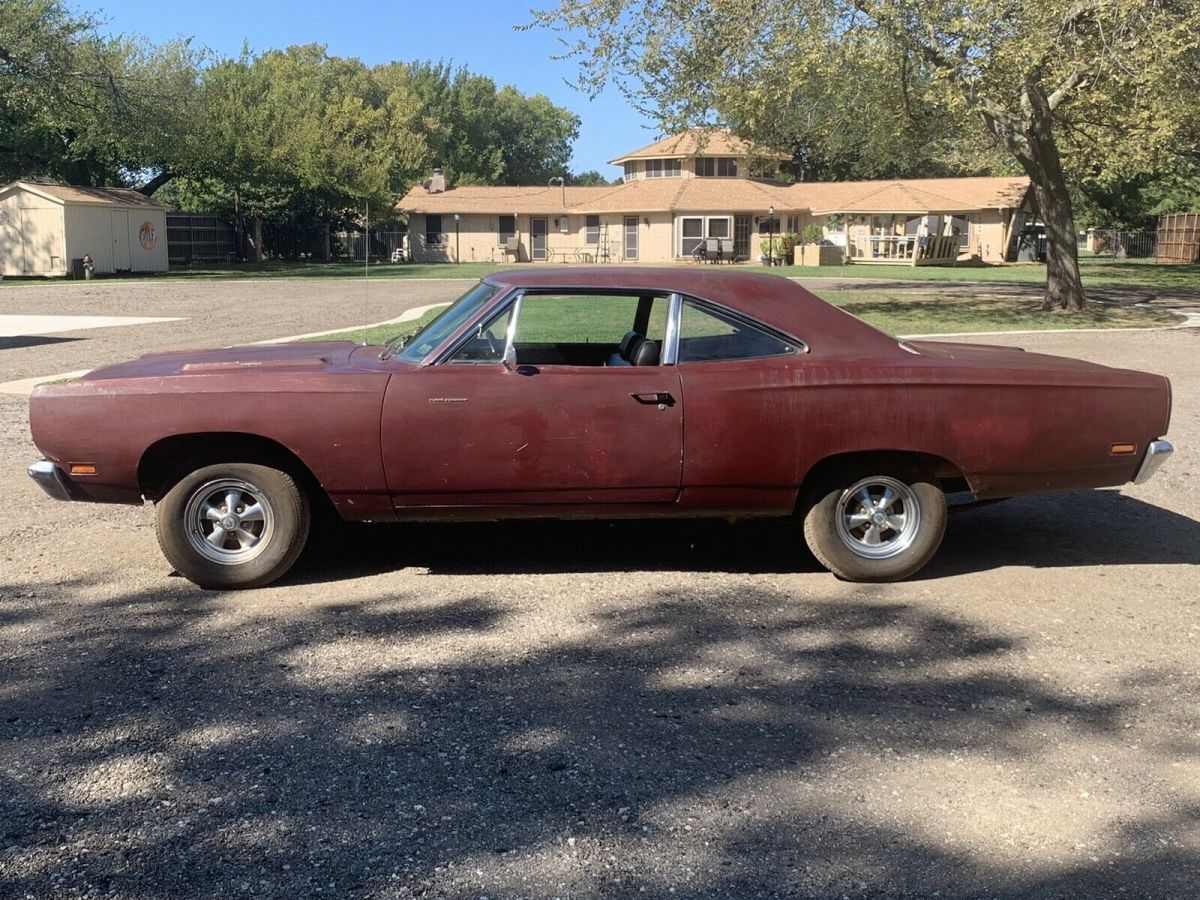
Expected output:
(449, 400)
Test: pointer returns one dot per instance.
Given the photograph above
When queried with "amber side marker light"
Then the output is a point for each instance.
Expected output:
(1122, 449)
(83, 469)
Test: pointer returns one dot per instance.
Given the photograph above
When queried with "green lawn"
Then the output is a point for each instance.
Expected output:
(381, 333)
(1097, 272)
(894, 312)
(905, 312)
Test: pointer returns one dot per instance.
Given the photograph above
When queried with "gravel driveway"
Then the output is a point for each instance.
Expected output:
(589, 710)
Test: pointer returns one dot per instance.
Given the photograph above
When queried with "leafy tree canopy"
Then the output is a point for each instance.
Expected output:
(1064, 89)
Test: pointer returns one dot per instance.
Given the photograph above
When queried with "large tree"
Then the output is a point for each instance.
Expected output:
(85, 108)
(1063, 87)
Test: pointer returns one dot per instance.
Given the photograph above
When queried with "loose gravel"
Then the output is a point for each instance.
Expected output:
(595, 710)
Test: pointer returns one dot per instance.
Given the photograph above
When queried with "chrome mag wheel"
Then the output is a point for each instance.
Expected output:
(228, 521)
(878, 517)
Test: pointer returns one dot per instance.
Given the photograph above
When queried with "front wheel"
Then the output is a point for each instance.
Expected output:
(233, 525)
(876, 526)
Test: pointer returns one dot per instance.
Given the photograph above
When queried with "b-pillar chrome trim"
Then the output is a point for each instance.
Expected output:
(671, 336)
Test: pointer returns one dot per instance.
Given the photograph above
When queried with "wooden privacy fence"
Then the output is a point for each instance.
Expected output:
(1179, 238)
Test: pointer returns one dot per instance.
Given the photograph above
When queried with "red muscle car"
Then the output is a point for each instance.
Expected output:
(615, 392)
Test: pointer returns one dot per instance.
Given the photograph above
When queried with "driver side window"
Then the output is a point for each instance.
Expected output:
(580, 329)
(486, 345)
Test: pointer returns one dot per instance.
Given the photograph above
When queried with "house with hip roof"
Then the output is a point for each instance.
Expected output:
(680, 193)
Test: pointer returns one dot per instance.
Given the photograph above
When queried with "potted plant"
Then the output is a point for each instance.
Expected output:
(814, 250)
(784, 246)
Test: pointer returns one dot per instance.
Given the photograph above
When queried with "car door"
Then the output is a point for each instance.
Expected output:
(555, 425)
(747, 419)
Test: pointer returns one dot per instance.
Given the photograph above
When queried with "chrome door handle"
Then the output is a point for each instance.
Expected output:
(661, 398)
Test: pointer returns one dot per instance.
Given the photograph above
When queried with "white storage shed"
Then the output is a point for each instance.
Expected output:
(43, 227)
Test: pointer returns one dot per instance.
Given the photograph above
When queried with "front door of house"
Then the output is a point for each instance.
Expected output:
(537, 239)
(741, 237)
(631, 237)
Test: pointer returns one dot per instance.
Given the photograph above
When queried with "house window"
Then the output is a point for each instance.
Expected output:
(694, 229)
(631, 171)
(433, 230)
(768, 226)
(591, 230)
(663, 168)
(793, 223)
(506, 228)
(712, 166)
(691, 235)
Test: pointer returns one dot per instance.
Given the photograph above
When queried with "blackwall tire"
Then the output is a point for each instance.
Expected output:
(875, 525)
(233, 525)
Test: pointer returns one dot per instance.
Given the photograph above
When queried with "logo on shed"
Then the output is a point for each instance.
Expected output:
(148, 236)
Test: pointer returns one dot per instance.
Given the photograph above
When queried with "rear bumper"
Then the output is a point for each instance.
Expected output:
(51, 479)
(1156, 454)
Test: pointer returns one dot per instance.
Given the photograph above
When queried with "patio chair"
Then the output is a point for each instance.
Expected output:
(726, 249)
(512, 246)
(698, 255)
(712, 249)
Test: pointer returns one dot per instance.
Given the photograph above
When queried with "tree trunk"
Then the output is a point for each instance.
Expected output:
(1064, 289)
(1032, 142)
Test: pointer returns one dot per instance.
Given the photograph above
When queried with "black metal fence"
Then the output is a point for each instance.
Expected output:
(198, 238)
(1120, 244)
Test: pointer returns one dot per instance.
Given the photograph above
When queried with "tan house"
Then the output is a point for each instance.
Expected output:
(43, 227)
(685, 189)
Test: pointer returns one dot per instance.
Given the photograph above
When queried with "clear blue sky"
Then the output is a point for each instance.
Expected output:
(472, 33)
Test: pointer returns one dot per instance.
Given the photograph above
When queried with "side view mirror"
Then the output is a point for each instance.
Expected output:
(510, 358)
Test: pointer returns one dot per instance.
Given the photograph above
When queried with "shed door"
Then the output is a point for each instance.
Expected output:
(120, 239)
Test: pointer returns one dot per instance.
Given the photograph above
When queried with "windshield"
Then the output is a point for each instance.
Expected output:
(429, 338)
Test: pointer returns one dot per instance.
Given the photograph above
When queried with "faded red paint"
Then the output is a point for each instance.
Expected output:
(388, 439)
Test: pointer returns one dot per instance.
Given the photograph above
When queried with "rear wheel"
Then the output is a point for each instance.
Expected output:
(876, 525)
(233, 525)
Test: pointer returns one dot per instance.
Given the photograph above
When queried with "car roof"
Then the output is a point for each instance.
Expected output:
(773, 300)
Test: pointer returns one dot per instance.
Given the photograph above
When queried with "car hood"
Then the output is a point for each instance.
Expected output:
(203, 362)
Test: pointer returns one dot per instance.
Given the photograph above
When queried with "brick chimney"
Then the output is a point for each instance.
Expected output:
(436, 183)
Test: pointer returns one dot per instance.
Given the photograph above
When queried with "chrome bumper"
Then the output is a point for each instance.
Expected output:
(51, 479)
(1156, 454)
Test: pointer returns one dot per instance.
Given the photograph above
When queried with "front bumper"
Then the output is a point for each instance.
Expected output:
(51, 479)
(1156, 454)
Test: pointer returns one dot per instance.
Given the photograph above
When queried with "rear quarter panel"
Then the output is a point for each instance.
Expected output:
(765, 423)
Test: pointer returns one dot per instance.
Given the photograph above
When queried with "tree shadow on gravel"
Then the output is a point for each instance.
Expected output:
(1086, 528)
(710, 743)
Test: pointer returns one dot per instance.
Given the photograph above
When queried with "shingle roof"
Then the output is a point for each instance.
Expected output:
(935, 195)
(106, 196)
(914, 195)
(697, 141)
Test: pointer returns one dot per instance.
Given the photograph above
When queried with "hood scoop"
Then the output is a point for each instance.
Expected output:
(227, 365)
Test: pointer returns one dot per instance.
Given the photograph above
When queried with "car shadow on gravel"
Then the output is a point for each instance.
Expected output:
(1083, 528)
(697, 743)
(554, 547)
(1086, 528)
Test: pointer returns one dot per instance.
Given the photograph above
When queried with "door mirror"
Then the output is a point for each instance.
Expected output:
(510, 357)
